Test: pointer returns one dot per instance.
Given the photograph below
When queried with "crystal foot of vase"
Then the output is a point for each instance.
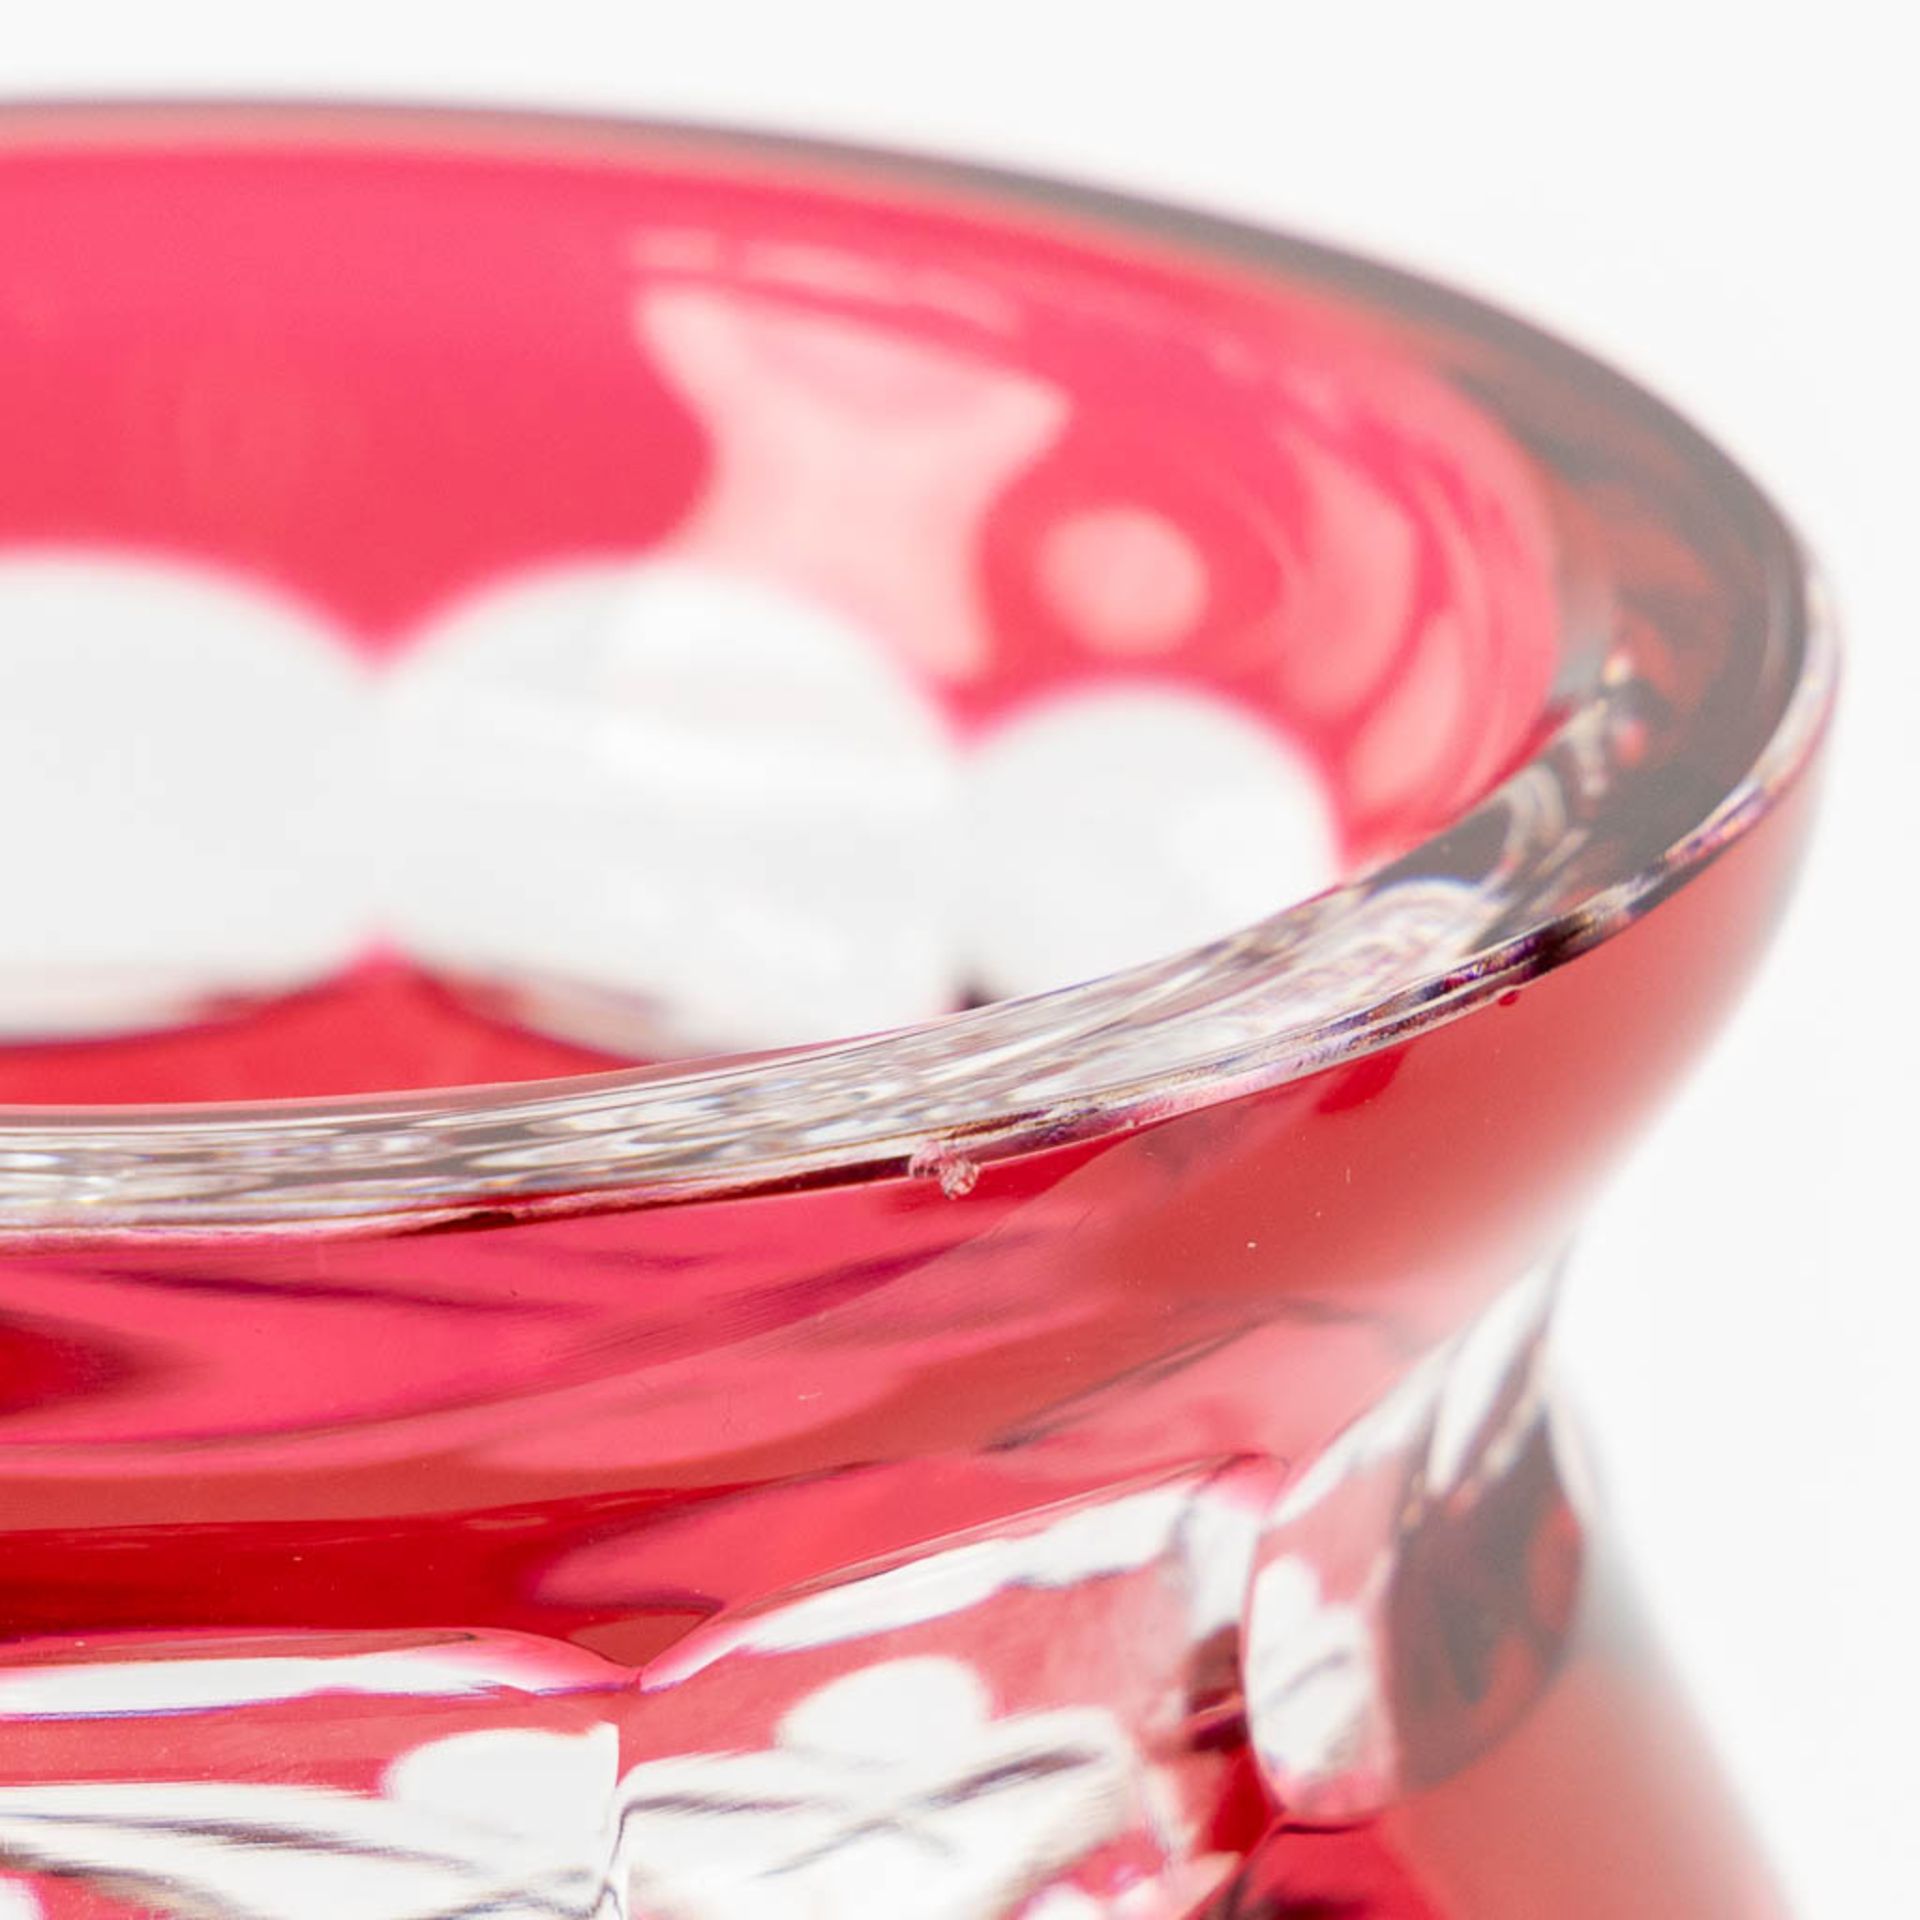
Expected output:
(807, 964)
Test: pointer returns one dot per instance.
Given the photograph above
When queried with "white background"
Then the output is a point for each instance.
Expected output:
(1723, 199)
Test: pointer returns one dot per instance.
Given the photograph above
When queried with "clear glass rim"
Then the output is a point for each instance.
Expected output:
(1279, 1000)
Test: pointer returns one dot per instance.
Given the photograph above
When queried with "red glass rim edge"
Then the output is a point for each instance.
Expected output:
(220, 1160)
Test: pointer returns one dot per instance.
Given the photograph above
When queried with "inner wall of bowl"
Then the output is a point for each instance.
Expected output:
(466, 619)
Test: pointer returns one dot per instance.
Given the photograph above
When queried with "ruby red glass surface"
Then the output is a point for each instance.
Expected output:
(809, 963)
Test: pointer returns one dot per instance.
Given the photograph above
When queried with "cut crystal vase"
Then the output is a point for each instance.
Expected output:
(808, 964)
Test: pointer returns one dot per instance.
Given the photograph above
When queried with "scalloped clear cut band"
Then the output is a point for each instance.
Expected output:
(809, 961)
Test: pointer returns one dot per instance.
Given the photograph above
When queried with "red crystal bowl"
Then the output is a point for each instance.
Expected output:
(1230, 583)
(810, 959)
